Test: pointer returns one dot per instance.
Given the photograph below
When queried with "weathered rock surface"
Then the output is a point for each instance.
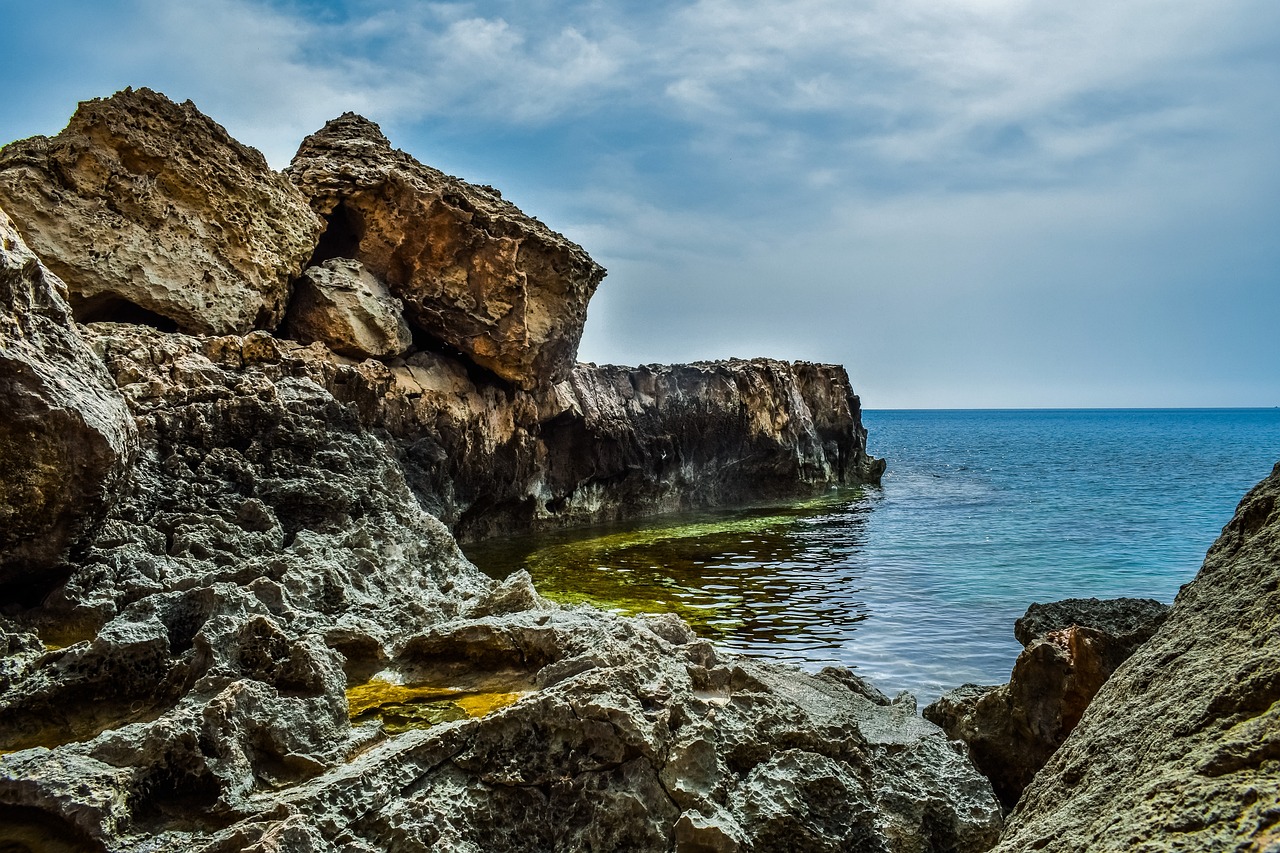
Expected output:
(150, 212)
(340, 304)
(1071, 648)
(1180, 750)
(66, 438)
(475, 274)
(268, 556)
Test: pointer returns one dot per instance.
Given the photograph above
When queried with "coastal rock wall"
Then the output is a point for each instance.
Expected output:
(1180, 749)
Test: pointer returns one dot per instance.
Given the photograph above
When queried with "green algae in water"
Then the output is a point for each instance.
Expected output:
(755, 578)
(401, 707)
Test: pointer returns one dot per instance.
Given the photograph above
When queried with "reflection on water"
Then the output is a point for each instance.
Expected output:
(772, 581)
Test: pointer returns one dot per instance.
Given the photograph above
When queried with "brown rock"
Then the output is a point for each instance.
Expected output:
(150, 212)
(475, 273)
(1071, 648)
(66, 438)
(1181, 749)
(342, 305)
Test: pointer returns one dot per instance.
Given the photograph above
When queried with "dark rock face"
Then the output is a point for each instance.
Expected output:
(66, 437)
(615, 442)
(475, 274)
(1071, 648)
(151, 213)
(1181, 747)
(268, 557)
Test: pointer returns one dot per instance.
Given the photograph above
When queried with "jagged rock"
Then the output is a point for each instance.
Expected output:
(616, 442)
(66, 438)
(1071, 648)
(268, 557)
(1181, 747)
(342, 305)
(475, 273)
(150, 212)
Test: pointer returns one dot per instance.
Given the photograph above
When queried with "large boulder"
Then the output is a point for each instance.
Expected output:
(340, 304)
(1180, 750)
(475, 274)
(66, 438)
(1071, 648)
(150, 212)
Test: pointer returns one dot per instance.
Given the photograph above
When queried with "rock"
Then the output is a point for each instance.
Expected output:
(1071, 648)
(151, 213)
(66, 438)
(1181, 747)
(341, 305)
(475, 274)
(267, 569)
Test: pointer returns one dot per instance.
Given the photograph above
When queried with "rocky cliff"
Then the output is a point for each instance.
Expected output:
(1180, 749)
(238, 628)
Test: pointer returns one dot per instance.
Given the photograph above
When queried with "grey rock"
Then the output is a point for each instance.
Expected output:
(1181, 747)
(150, 212)
(1071, 648)
(340, 304)
(66, 437)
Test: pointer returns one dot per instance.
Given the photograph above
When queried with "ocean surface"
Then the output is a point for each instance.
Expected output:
(916, 584)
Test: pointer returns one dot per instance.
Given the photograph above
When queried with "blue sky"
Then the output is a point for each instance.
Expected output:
(966, 202)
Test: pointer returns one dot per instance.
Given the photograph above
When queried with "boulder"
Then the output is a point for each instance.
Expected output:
(150, 212)
(476, 275)
(1180, 750)
(66, 437)
(1071, 648)
(341, 305)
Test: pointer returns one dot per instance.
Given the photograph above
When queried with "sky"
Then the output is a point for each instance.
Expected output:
(968, 203)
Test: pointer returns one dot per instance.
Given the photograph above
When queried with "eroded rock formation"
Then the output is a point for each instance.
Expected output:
(268, 557)
(66, 438)
(150, 212)
(1070, 649)
(340, 304)
(1180, 749)
(475, 273)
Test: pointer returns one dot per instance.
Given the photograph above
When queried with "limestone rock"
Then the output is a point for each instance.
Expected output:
(475, 273)
(150, 212)
(1071, 648)
(1181, 747)
(341, 305)
(66, 438)
(267, 557)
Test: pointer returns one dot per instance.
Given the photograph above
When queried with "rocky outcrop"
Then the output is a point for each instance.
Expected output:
(1071, 648)
(340, 304)
(66, 437)
(192, 685)
(476, 275)
(1181, 747)
(150, 212)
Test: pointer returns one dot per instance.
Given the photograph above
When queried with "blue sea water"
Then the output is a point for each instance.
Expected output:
(916, 584)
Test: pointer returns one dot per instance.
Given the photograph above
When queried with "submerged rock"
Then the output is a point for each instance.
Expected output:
(341, 305)
(66, 438)
(475, 274)
(1181, 747)
(151, 213)
(1071, 648)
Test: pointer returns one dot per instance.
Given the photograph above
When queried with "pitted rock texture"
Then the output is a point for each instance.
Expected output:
(1180, 750)
(66, 437)
(150, 212)
(340, 304)
(475, 274)
(185, 688)
(1071, 648)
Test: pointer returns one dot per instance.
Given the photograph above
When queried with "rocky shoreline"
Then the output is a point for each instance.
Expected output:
(246, 416)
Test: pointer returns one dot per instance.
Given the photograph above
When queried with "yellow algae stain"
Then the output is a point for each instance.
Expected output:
(401, 707)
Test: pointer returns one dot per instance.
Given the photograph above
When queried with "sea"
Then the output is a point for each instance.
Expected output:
(915, 584)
